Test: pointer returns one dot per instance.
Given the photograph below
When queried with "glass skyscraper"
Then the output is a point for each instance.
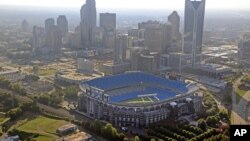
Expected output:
(193, 28)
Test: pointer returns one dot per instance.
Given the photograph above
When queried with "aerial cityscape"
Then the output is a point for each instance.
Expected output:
(95, 70)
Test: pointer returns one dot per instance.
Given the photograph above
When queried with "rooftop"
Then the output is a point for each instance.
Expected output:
(78, 137)
(66, 127)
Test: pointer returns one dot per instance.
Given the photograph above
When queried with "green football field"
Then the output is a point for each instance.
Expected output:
(139, 100)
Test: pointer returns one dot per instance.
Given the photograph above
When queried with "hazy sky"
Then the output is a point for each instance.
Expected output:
(132, 4)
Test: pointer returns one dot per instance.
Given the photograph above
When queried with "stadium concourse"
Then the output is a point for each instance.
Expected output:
(137, 99)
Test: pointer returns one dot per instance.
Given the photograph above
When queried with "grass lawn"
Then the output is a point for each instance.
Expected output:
(2, 119)
(239, 94)
(46, 72)
(138, 100)
(43, 138)
(45, 127)
(248, 77)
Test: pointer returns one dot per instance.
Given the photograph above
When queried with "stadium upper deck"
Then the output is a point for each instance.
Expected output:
(137, 85)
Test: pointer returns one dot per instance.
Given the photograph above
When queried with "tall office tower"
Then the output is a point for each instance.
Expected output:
(62, 24)
(154, 38)
(168, 41)
(38, 40)
(144, 60)
(121, 45)
(50, 22)
(174, 19)
(52, 36)
(25, 26)
(108, 21)
(156, 35)
(193, 28)
(88, 23)
(244, 49)
(108, 24)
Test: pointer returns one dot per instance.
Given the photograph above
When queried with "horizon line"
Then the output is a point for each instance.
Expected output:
(120, 9)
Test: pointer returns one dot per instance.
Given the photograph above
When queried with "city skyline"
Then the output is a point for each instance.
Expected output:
(126, 4)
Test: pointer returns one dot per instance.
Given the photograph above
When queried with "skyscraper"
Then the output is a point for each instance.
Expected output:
(38, 40)
(62, 25)
(174, 19)
(193, 28)
(108, 21)
(52, 36)
(88, 23)
(121, 45)
(25, 26)
(108, 25)
(244, 49)
(49, 23)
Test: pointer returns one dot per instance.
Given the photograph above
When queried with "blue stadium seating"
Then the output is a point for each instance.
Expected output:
(133, 78)
(161, 95)
(128, 79)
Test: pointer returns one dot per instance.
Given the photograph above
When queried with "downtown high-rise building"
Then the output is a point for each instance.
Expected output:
(193, 29)
(174, 19)
(49, 23)
(25, 26)
(38, 39)
(244, 49)
(108, 25)
(121, 45)
(62, 24)
(108, 21)
(88, 23)
(53, 39)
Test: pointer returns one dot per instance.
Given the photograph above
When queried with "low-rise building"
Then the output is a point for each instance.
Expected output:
(11, 74)
(112, 69)
(11, 138)
(69, 128)
(84, 65)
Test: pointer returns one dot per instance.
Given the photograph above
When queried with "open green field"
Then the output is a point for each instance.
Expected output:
(239, 92)
(45, 127)
(2, 119)
(44, 138)
(139, 100)
(46, 72)
(1, 130)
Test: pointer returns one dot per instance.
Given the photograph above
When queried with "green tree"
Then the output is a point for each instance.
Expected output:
(107, 131)
(71, 92)
(55, 98)
(18, 88)
(202, 124)
(97, 127)
(223, 114)
(44, 99)
(136, 138)
(4, 82)
(14, 113)
(212, 120)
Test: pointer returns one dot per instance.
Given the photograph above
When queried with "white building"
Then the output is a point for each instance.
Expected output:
(84, 65)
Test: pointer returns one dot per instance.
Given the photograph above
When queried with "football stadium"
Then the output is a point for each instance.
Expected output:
(137, 99)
